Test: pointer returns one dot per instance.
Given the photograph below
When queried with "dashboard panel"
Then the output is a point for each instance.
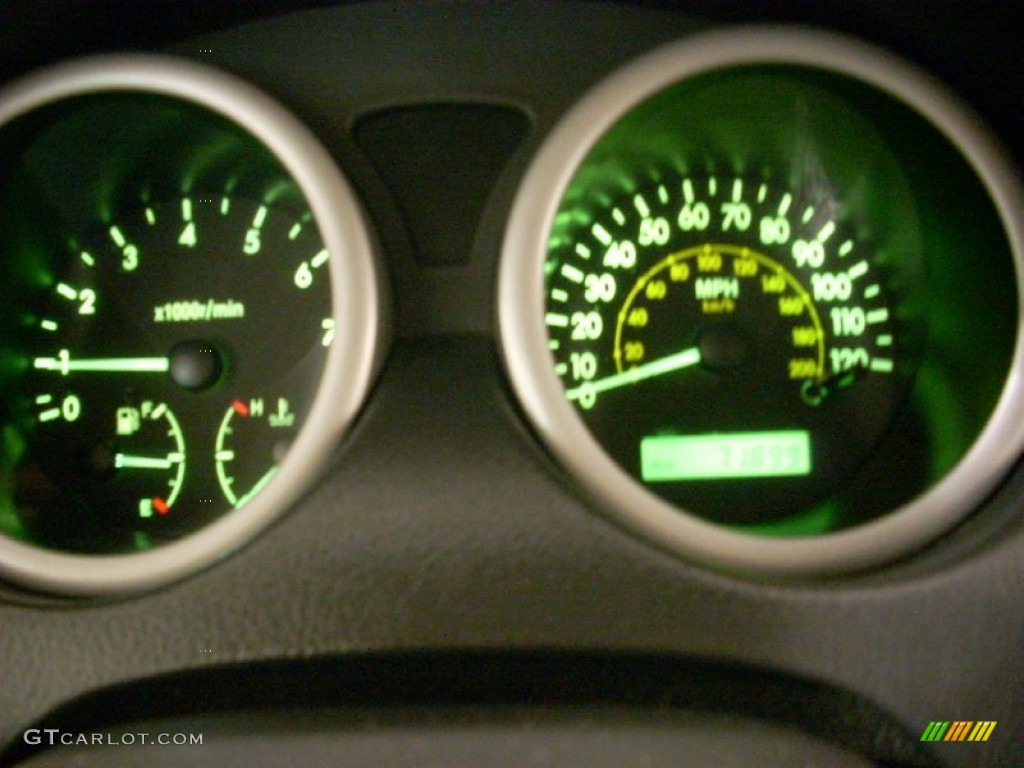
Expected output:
(386, 538)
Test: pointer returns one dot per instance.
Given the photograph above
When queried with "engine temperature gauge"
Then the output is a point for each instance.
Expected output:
(264, 438)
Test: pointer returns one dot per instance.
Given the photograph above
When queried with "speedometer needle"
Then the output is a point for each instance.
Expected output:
(65, 365)
(676, 362)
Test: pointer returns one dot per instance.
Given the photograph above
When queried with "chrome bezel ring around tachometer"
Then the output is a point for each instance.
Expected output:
(358, 307)
(541, 392)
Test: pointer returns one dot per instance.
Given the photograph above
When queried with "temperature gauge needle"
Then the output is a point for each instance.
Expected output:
(63, 364)
(676, 362)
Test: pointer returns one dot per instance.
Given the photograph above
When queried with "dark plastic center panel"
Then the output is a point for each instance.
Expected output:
(602, 739)
(441, 525)
(473, 709)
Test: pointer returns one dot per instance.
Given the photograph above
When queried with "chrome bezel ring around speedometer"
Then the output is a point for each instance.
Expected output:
(541, 392)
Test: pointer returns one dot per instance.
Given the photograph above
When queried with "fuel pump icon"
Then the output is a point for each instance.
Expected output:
(129, 421)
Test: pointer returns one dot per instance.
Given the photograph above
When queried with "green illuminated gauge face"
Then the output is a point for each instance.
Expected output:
(167, 363)
(729, 340)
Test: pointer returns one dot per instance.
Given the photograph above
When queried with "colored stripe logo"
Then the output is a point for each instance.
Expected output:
(958, 730)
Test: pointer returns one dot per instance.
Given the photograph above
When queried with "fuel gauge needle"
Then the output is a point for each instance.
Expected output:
(675, 362)
(125, 461)
(63, 364)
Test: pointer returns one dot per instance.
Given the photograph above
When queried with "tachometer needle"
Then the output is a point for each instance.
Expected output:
(676, 362)
(65, 365)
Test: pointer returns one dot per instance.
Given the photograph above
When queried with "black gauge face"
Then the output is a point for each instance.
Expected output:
(168, 360)
(729, 340)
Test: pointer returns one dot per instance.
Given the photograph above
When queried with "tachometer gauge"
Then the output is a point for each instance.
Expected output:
(157, 320)
(733, 287)
(190, 320)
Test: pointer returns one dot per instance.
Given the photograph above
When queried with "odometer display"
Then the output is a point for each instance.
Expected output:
(702, 307)
(740, 454)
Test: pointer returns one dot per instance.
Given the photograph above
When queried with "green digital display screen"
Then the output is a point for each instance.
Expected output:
(673, 458)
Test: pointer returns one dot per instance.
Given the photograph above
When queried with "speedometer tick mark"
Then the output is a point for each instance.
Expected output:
(571, 273)
(787, 200)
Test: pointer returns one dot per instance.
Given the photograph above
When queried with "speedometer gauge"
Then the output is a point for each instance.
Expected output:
(190, 320)
(738, 295)
(711, 329)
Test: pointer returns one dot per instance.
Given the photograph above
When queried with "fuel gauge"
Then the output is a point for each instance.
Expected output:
(150, 455)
